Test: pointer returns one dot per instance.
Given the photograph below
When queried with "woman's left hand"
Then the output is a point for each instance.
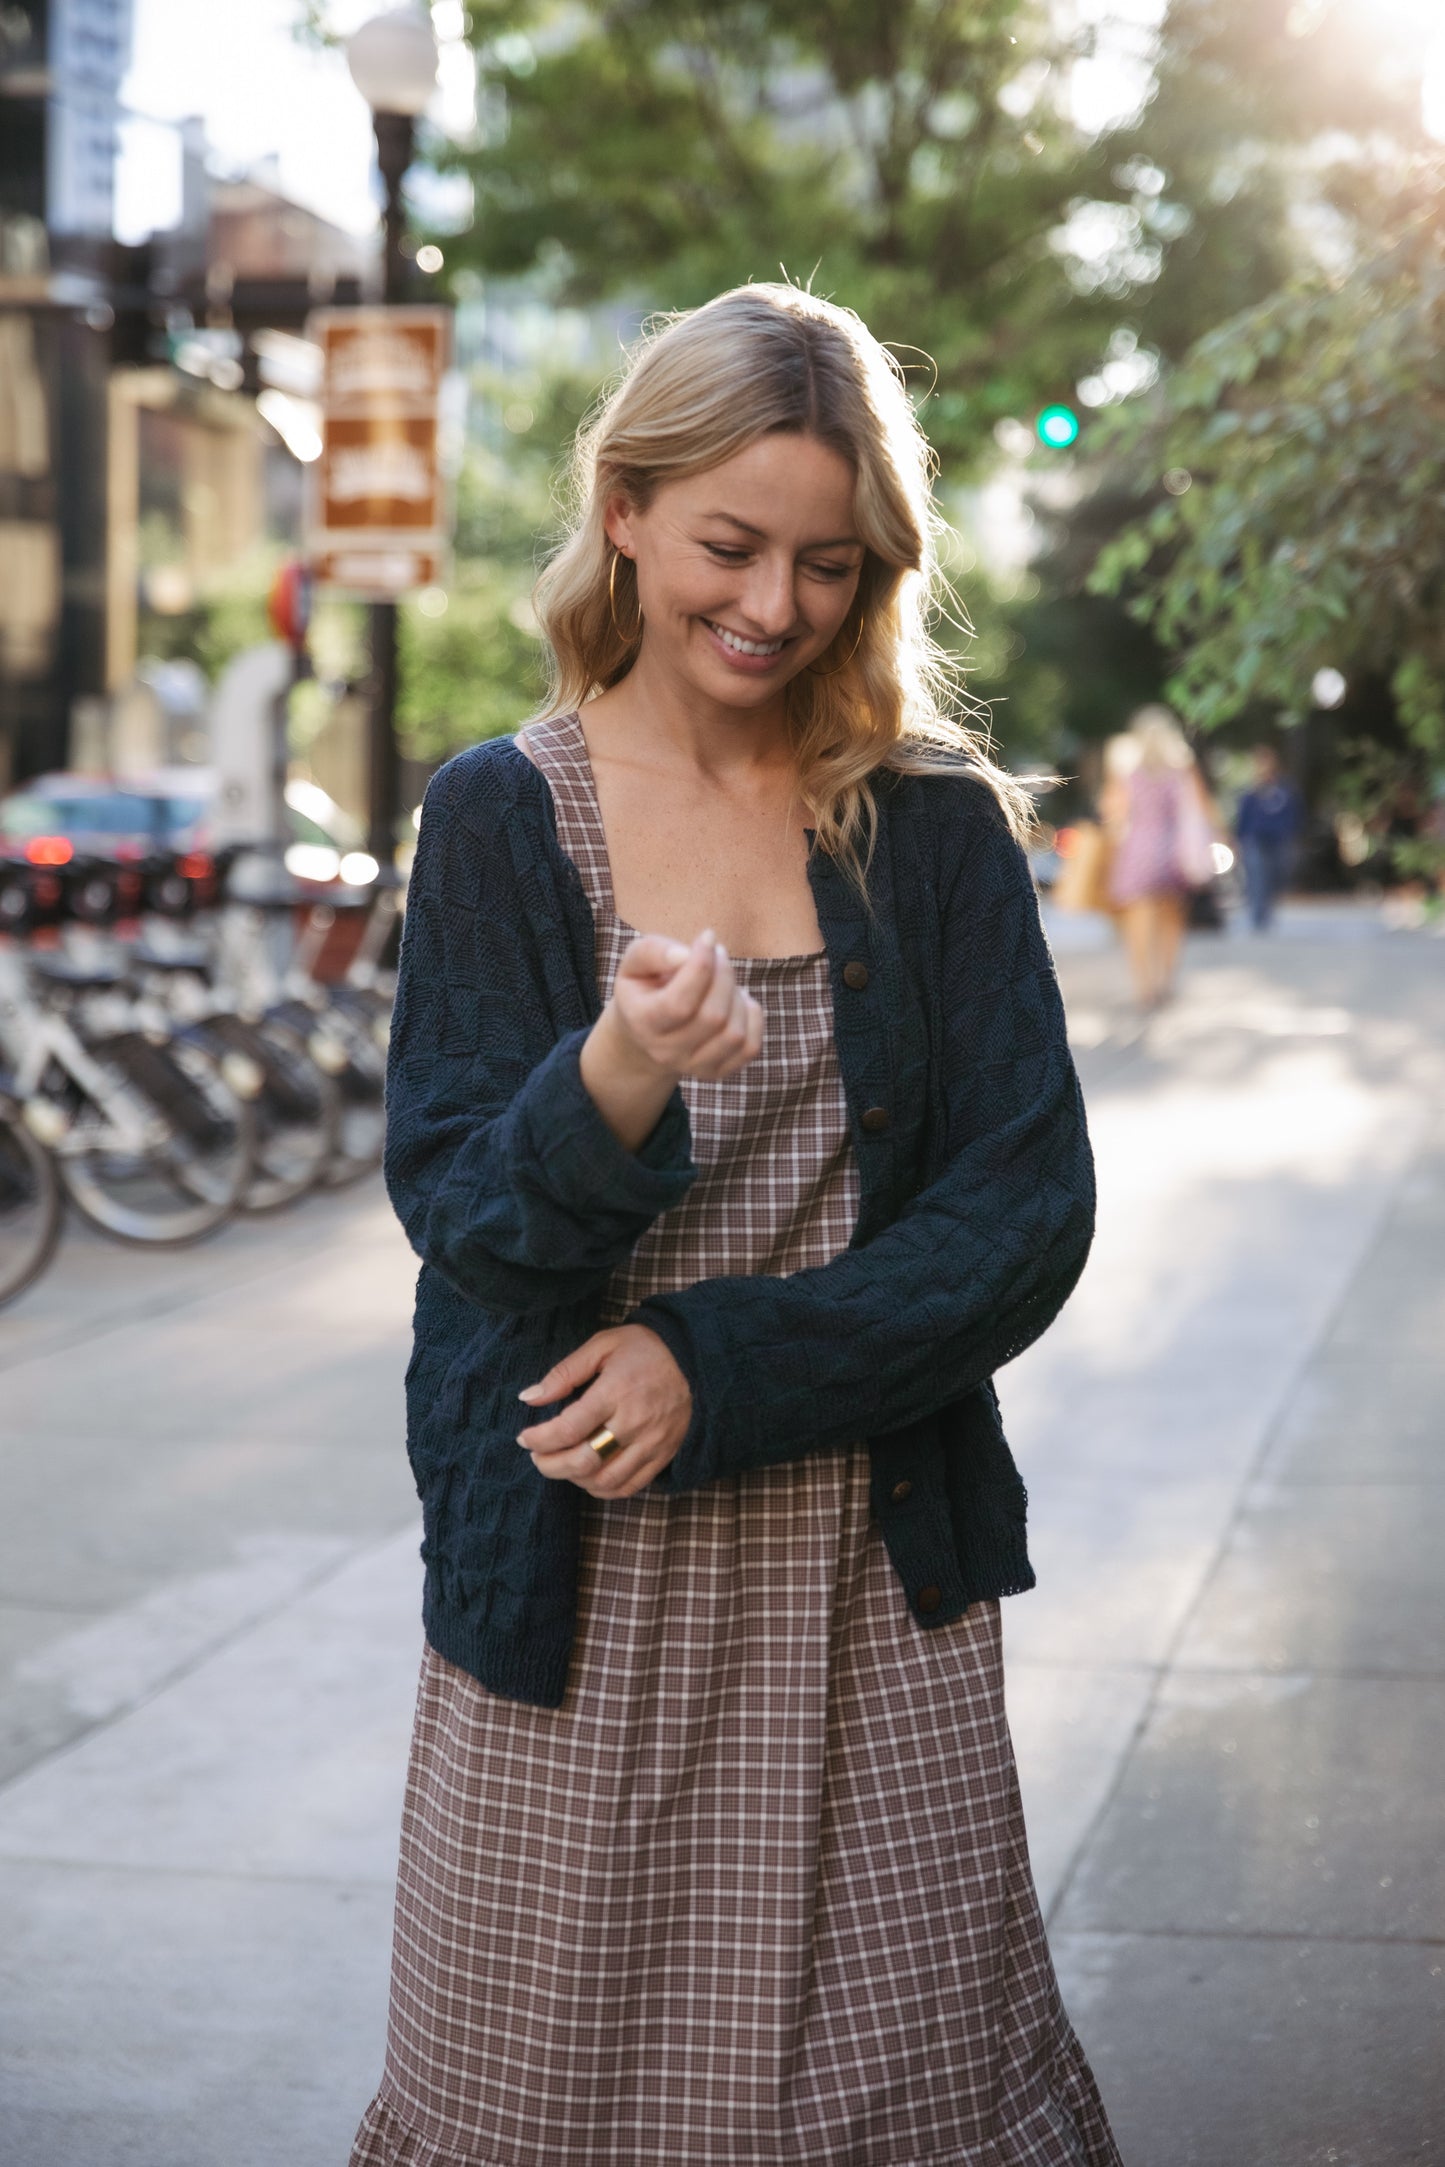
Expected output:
(638, 1393)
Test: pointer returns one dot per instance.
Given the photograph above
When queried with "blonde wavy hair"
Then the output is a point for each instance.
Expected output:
(699, 388)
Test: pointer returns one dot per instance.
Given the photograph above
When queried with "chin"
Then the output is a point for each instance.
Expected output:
(731, 691)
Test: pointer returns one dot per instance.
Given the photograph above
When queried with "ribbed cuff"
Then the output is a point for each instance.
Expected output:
(580, 1160)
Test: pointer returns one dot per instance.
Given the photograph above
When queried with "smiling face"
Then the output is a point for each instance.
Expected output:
(746, 572)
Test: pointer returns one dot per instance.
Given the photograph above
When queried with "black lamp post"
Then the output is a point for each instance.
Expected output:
(393, 62)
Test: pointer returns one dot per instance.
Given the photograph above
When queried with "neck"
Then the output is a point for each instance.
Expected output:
(659, 722)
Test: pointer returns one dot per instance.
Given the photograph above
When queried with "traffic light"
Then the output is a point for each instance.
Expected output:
(1057, 427)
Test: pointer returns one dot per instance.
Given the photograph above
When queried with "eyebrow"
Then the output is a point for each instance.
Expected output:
(840, 541)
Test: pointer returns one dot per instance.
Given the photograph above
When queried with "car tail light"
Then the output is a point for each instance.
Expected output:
(49, 850)
(196, 865)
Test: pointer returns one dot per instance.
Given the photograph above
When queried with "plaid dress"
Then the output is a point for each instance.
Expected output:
(759, 1891)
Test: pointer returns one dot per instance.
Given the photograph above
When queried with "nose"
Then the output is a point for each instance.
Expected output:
(770, 600)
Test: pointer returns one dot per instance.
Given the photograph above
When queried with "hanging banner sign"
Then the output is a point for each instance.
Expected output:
(379, 517)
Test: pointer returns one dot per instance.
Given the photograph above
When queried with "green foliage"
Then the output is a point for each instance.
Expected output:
(1272, 132)
(1307, 440)
(662, 150)
(1390, 792)
(474, 672)
(1261, 110)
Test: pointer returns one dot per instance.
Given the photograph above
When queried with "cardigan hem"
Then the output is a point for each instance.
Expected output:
(534, 1671)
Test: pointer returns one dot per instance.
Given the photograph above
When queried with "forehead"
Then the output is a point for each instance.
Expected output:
(780, 485)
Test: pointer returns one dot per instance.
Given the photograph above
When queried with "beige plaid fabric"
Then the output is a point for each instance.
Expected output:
(759, 1891)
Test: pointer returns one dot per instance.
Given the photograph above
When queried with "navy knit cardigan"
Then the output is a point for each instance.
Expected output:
(975, 1218)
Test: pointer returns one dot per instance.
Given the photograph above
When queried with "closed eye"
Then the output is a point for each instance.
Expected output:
(724, 555)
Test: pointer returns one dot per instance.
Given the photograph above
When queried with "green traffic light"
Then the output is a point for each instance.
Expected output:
(1058, 427)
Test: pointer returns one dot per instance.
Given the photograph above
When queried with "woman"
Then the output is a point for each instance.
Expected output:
(1157, 819)
(732, 1117)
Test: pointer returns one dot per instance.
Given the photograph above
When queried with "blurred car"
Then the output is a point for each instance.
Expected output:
(95, 849)
(85, 847)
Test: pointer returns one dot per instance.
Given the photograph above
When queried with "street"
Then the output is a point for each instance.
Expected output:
(1227, 1692)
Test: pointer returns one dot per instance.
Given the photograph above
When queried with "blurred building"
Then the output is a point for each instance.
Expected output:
(136, 465)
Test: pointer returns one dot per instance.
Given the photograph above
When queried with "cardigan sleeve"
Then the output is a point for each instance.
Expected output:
(975, 1267)
(501, 1169)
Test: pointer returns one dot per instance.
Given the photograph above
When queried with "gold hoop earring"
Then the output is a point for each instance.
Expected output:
(814, 671)
(626, 638)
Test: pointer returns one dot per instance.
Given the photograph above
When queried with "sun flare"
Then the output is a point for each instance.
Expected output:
(1411, 34)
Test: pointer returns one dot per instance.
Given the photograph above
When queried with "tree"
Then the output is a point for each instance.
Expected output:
(1300, 523)
(914, 161)
(1267, 148)
(1268, 137)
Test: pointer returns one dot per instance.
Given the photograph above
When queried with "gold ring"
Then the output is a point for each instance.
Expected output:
(604, 1443)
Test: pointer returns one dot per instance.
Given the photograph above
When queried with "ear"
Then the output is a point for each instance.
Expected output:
(617, 519)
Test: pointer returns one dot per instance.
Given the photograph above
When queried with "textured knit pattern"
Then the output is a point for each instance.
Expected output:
(759, 1891)
(974, 1218)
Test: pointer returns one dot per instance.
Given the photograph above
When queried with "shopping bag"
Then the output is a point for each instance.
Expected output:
(1083, 882)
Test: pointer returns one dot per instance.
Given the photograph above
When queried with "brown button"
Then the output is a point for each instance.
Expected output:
(875, 1120)
(902, 1490)
(855, 975)
(928, 1598)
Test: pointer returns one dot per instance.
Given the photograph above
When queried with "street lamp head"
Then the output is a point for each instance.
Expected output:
(393, 61)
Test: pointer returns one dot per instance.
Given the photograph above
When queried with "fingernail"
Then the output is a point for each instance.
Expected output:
(530, 1393)
(707, 938)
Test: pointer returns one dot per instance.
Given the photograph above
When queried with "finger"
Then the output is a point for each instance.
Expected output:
(752, 1044)
(652, 955)
(711, 1012)
(573, 1370)
(566, 1430)
(676, 1005)
(622, 1475)
(726, 1049)
(619, 1474)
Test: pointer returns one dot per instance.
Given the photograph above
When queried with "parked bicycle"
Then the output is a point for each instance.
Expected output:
(151, 1131)
(30, 1202)
(163, 1083)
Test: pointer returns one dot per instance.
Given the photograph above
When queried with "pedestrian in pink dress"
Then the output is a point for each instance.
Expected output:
(1157, 818)
(732, 1116)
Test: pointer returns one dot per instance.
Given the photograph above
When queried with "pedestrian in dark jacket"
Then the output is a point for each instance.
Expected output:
(1267, 825)
(732, 1117)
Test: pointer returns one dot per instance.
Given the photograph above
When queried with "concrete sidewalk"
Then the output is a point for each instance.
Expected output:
(1222, 1692)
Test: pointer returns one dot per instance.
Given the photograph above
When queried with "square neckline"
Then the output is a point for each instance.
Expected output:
(573, 720)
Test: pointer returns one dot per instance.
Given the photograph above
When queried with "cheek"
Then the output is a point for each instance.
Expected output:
(830, 605)
(684, 588)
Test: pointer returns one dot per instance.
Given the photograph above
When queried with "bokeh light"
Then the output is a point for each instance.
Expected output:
(1058, 427)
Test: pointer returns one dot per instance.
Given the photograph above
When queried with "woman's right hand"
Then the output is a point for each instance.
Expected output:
(681, 1010)
(674, 1012)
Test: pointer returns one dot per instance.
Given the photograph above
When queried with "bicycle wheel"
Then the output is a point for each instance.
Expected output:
(297, 1109)
(346, 1050)
(182, 1170)
(29, 1206)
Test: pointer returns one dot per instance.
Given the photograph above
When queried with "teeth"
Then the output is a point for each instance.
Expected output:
(745, 647)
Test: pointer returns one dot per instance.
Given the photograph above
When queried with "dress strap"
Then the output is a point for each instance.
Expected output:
(558, 748)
